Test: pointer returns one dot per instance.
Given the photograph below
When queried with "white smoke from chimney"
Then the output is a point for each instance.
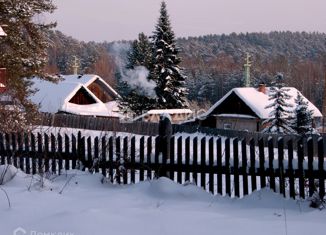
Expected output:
(136, 78)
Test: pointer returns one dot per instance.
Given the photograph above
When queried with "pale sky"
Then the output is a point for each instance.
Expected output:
(100, 20)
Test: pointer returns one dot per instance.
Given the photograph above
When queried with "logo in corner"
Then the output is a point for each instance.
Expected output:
(19, 231)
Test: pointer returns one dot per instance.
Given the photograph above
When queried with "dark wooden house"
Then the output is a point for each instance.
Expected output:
(245, 109)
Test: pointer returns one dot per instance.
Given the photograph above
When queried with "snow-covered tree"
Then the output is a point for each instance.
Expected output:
(23, 52)
(140, 53)
(171, 89)
(280, 116)
(302, 119)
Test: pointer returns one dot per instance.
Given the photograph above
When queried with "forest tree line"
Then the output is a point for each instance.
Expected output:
(214, 63)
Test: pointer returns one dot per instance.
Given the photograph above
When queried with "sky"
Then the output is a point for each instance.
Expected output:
(110, 20)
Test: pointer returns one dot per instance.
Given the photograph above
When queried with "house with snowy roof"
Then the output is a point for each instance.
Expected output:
(76, 94)
(244, 109)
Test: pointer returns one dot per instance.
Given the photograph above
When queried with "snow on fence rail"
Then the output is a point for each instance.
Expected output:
(219, 165)
(96, 123)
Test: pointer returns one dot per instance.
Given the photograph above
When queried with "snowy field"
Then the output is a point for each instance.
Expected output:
(79, 203)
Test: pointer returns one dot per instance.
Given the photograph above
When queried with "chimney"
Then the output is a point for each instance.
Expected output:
(262, 88)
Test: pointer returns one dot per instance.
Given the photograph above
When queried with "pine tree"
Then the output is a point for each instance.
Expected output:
(171, 90)
(302, 120)
(140, 55)
(23, 54)
(279, 117)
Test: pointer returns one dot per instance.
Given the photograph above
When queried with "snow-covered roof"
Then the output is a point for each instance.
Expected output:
(232, 115)
(164, 112)
(54, 97)
(169, 111)
(2, 33)
(86, 80)
(257, 101)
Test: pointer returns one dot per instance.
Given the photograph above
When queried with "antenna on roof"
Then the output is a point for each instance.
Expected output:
(75, 65)
(247, 66)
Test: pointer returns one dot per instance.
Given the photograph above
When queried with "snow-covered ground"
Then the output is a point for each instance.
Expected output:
(79, 203)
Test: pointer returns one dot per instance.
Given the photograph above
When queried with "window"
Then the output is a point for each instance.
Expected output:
(227, 126)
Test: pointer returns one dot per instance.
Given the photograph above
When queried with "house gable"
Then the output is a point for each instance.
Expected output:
(101, 91)
(233, 105)
(82, 97)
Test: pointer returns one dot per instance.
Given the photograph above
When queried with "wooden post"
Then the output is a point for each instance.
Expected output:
(163, 144)
(271, 163)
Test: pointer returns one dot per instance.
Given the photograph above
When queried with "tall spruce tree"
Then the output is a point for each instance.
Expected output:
(171, 90)
(23, 52)
(279, 121)
(140, 55)
(302, 119)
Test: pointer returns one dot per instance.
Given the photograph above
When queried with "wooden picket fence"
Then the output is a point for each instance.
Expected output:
(219, 165)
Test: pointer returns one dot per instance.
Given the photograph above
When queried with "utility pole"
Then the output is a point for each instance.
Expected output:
(75, 65)
(247, 66)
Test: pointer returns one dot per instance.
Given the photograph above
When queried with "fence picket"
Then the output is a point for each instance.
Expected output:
(132, 159)
(280, 147)
(111, 160)
(172, 158)
(19, 154)
(300, 169)
(89, 153)
(227, 168)
(27, 152)
(244, 167)
(271, 164)
(141, 158)
(290, 169)
(211, 165)
(14, 148)
(117, 159)
(179, 161)
(203, 162)
(103, 158)
(252, 169)
(125, 159)
(149, 158)
(33, 154)
(262, 163)
(96, 160)
(67, 152)
(60, 153)
(74, 151)
(187, 159)
(311, 180)
(219, 166)
(236, 167)
(321, 171)
(40, 153)
(53, 154)
(8, 149)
